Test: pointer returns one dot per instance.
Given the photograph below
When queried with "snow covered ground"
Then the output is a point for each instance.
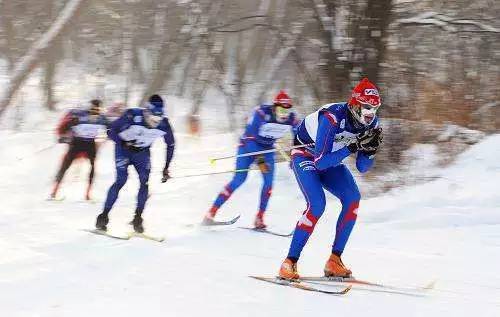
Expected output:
(446, 230)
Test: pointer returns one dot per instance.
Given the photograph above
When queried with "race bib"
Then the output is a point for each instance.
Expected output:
(273, 130)
(343, 139)
(87, 130)
(143, 136)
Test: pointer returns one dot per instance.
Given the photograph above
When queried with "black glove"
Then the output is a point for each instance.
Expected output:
(371, 145)
(130, 145)
(166, 176)
(367, 142)
(65, 139)
(261, 163)
(73, 121)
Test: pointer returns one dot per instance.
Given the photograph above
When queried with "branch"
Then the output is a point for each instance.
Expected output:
(245, 28)
(29, 61)
(447, 23)
(234, 21)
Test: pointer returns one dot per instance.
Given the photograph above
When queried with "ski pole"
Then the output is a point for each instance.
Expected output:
(37, 152)
(283, 152)
(213, 160)
(215, 173)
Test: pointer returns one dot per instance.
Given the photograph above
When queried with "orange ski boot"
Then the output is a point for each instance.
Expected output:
(335, 267)
(288, 270)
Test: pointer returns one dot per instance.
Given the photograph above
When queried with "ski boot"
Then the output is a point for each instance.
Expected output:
(102, 222)
(288, 270)
(259, 221)
(137, 223)
(208, 220)
(335, 267)
(87, 195)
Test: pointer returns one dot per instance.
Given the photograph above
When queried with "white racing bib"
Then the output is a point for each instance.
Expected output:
(343, 139)
(312, 121)
(274, 130)
(143, 136)
(87, 130)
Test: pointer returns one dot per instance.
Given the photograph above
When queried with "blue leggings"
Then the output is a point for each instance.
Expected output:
(142, 164)
(337, 180)
(239, 178)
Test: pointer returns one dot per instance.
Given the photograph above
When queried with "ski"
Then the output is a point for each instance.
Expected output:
(409, 290)
(88, 201)
(286, 235)
(220, 223)
(298, 284)
(56, 199)
(145, 236)
(107, 234)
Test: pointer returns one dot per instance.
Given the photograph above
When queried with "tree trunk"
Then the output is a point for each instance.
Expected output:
(376, 20)
(32, 57)
(6, 21)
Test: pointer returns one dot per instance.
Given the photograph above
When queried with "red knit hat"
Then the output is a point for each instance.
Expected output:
(283, 99)
(365, 93)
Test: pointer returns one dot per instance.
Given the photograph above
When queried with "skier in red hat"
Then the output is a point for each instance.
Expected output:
(267, 124)
(336, 130)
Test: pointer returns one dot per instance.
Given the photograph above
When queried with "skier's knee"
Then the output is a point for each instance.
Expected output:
(308, 221)
(120, 181)
(352, 195)
(317, 207)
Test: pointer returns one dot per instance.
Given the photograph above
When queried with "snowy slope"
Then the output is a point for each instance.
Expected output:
(448, 230)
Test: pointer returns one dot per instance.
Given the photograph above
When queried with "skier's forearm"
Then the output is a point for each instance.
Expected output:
(113, 135)
(114, 129)
(331, 159)
(252, 128)
(170, 155)
(363, 162)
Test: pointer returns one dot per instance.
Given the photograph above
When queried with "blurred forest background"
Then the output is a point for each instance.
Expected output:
(437, 63)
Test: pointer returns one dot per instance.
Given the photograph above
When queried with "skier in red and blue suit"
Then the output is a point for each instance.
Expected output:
(267, 124)
(80, 128)
(134, 133)
(337, 131)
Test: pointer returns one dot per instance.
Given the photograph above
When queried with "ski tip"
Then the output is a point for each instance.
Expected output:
(212, 161)
(61, 198)
(105, 233)
(430, 285)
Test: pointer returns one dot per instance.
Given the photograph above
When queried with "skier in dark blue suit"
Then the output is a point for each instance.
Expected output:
(267, 124)
(133, 133)
(337, 130)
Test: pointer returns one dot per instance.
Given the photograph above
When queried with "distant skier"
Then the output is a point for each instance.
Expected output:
(133, 133)
(267, 124)
(115, 110)
(337, 130)
(80, 128)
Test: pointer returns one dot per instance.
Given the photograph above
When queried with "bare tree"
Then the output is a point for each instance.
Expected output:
(30, 60)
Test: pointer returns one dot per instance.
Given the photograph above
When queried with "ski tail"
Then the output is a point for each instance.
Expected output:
(107, 234)
(300, 285)
(285, 235)
(220, 223)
